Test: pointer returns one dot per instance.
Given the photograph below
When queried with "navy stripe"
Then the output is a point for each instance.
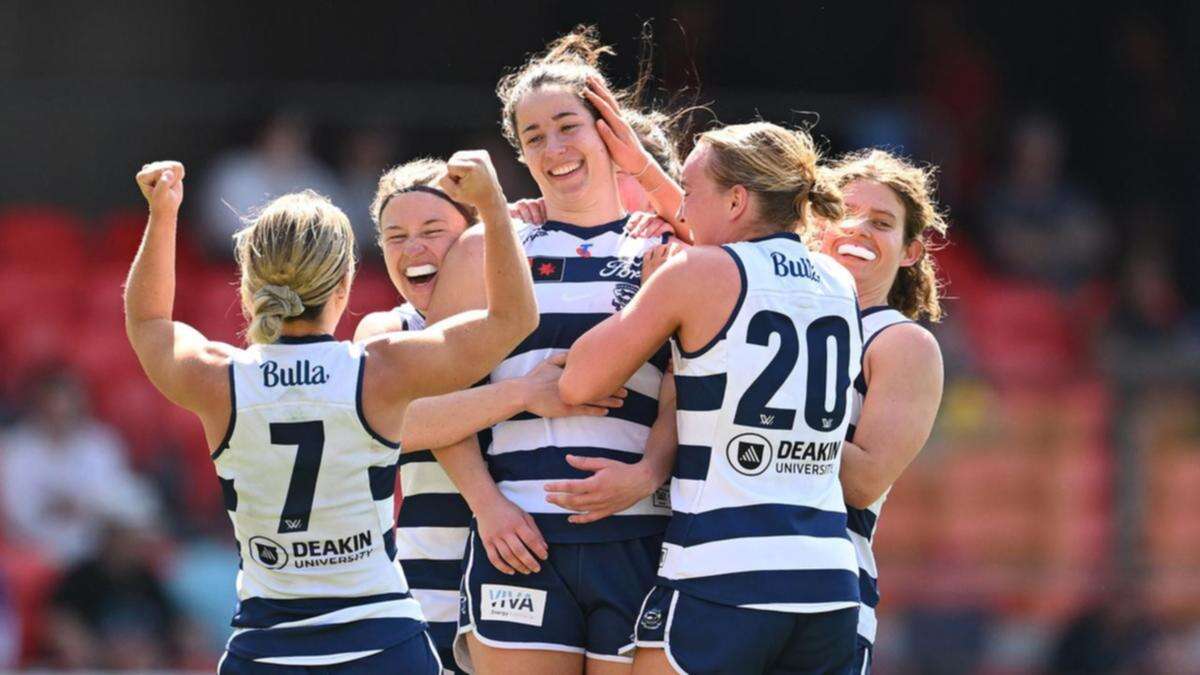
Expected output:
(389, 543)
(232, 417)
(228, 494)
(557, 530)
(558, 331)
(266, 612)
(868, 588)
(383, 480)
(861, 521)
(433, 575)
(772, 586)
(758, 520)
(638, 408)
(700, 392)
(550, 463)
(792, 236)
(662, 357)
(737, 307)
(357, 636)
(439, 509)
(443, 633)
(304, 339)
(691, 462)
(578, 269)
(358, 405)
(860, 383)
(416, 457)
(850, 432)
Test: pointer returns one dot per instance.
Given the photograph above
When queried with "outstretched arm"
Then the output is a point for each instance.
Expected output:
(904, 370)
(185, 366)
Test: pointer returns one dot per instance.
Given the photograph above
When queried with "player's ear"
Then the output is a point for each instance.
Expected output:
(912, 253)
(739, 201)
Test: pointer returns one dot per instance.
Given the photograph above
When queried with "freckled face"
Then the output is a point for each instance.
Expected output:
(417, 229)
(560, 145)
(870, 240)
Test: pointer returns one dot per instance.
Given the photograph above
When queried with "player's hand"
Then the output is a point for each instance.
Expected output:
(532, 211)
(620, 138)
(644, 225)
(161, 184)
(613, 487)
(510, 537)
(543, 399)
(655, 257)
(471, 179)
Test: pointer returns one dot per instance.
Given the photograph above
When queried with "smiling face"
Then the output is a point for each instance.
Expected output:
(870, 240)
(416, 231)
(564, 153)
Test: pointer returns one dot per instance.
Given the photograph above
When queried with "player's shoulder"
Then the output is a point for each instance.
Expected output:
(907, 343)
(378, 323)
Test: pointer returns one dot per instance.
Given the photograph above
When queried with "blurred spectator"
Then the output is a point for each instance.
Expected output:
(1036, 224)
(64, 472)
(1113, 636)
(242, 180)
(10, 626)
(111, 611)
(368, 153)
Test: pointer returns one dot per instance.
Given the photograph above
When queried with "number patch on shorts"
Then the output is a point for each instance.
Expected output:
(512, 603)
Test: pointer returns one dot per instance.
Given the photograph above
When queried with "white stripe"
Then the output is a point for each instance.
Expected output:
(431, 543)
(757, 554)
(578, 297)
(390, 609)
(727, 493)
(802, 607)
(697, 427)
(420, 478)
(667, 635)
(323, 660)
(712, 363)
(608, 657)
(685, 493)
(862, 548)
(867, 623)
(438, 606)
(604, 432)
(530, 495)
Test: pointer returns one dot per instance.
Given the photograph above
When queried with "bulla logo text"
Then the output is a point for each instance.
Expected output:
(299, 374)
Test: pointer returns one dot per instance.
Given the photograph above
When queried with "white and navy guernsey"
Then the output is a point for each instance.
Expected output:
(861, 522)
(759, 517)
(581, 277)
(310, 490)
(432, 528)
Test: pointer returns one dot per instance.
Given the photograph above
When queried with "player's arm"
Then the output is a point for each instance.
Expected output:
(627, 151)
(184, 365)
(904, 366)
(459, 350)
(607, 355)
(444, 420)
(378, 323)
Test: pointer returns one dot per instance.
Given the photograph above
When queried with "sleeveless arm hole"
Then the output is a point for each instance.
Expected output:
(358, 405)
(737, 307)
(224, 445)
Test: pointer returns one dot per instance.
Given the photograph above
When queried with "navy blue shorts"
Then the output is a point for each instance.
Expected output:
(864, 655)
(704, 637)
(415, 655)
(584, 600)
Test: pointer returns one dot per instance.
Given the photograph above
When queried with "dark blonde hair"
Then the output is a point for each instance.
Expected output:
(292, 258)
(916, 290)
(419, 173)
(779, 166)
(566, 62)
(654, 130)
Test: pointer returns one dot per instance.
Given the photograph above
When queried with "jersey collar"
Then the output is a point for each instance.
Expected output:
(304, 339)
(616, 226)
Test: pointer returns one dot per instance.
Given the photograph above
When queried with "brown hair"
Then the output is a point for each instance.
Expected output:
(567, 62)
(654, 130)
(419, 173)
(292, 257)
(779, 166)
(916, 288)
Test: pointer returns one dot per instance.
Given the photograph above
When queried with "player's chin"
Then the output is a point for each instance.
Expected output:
(419, 293)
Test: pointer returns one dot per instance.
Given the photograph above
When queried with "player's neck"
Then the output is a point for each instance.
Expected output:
(589, 211)
(872, 296)
(303, 328)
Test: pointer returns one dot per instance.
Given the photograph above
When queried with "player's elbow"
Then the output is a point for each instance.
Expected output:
(861, 496)
(573, 390)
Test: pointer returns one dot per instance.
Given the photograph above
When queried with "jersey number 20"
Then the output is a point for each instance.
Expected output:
(309, 439)
(753, 411)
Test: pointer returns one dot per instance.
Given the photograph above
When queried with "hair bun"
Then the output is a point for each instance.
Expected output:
(279, 300)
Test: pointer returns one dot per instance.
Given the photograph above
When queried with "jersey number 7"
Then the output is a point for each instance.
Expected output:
(309, 439)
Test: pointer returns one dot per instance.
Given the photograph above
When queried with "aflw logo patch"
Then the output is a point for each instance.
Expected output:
(512, 603)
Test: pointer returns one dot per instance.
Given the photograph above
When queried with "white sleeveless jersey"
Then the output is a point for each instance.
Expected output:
(760, 519)
(310, 490)
(431, 531)
(581, 276)
(861, 522)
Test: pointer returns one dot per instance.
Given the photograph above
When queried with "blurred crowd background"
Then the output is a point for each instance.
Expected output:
(1050, 525)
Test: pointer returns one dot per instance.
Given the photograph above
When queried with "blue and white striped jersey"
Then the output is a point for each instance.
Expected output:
(862, 521)
(310, 490)
(759, 517)
(432, 528)
(581, 276)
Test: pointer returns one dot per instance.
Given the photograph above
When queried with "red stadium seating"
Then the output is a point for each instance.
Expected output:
(41, 239)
